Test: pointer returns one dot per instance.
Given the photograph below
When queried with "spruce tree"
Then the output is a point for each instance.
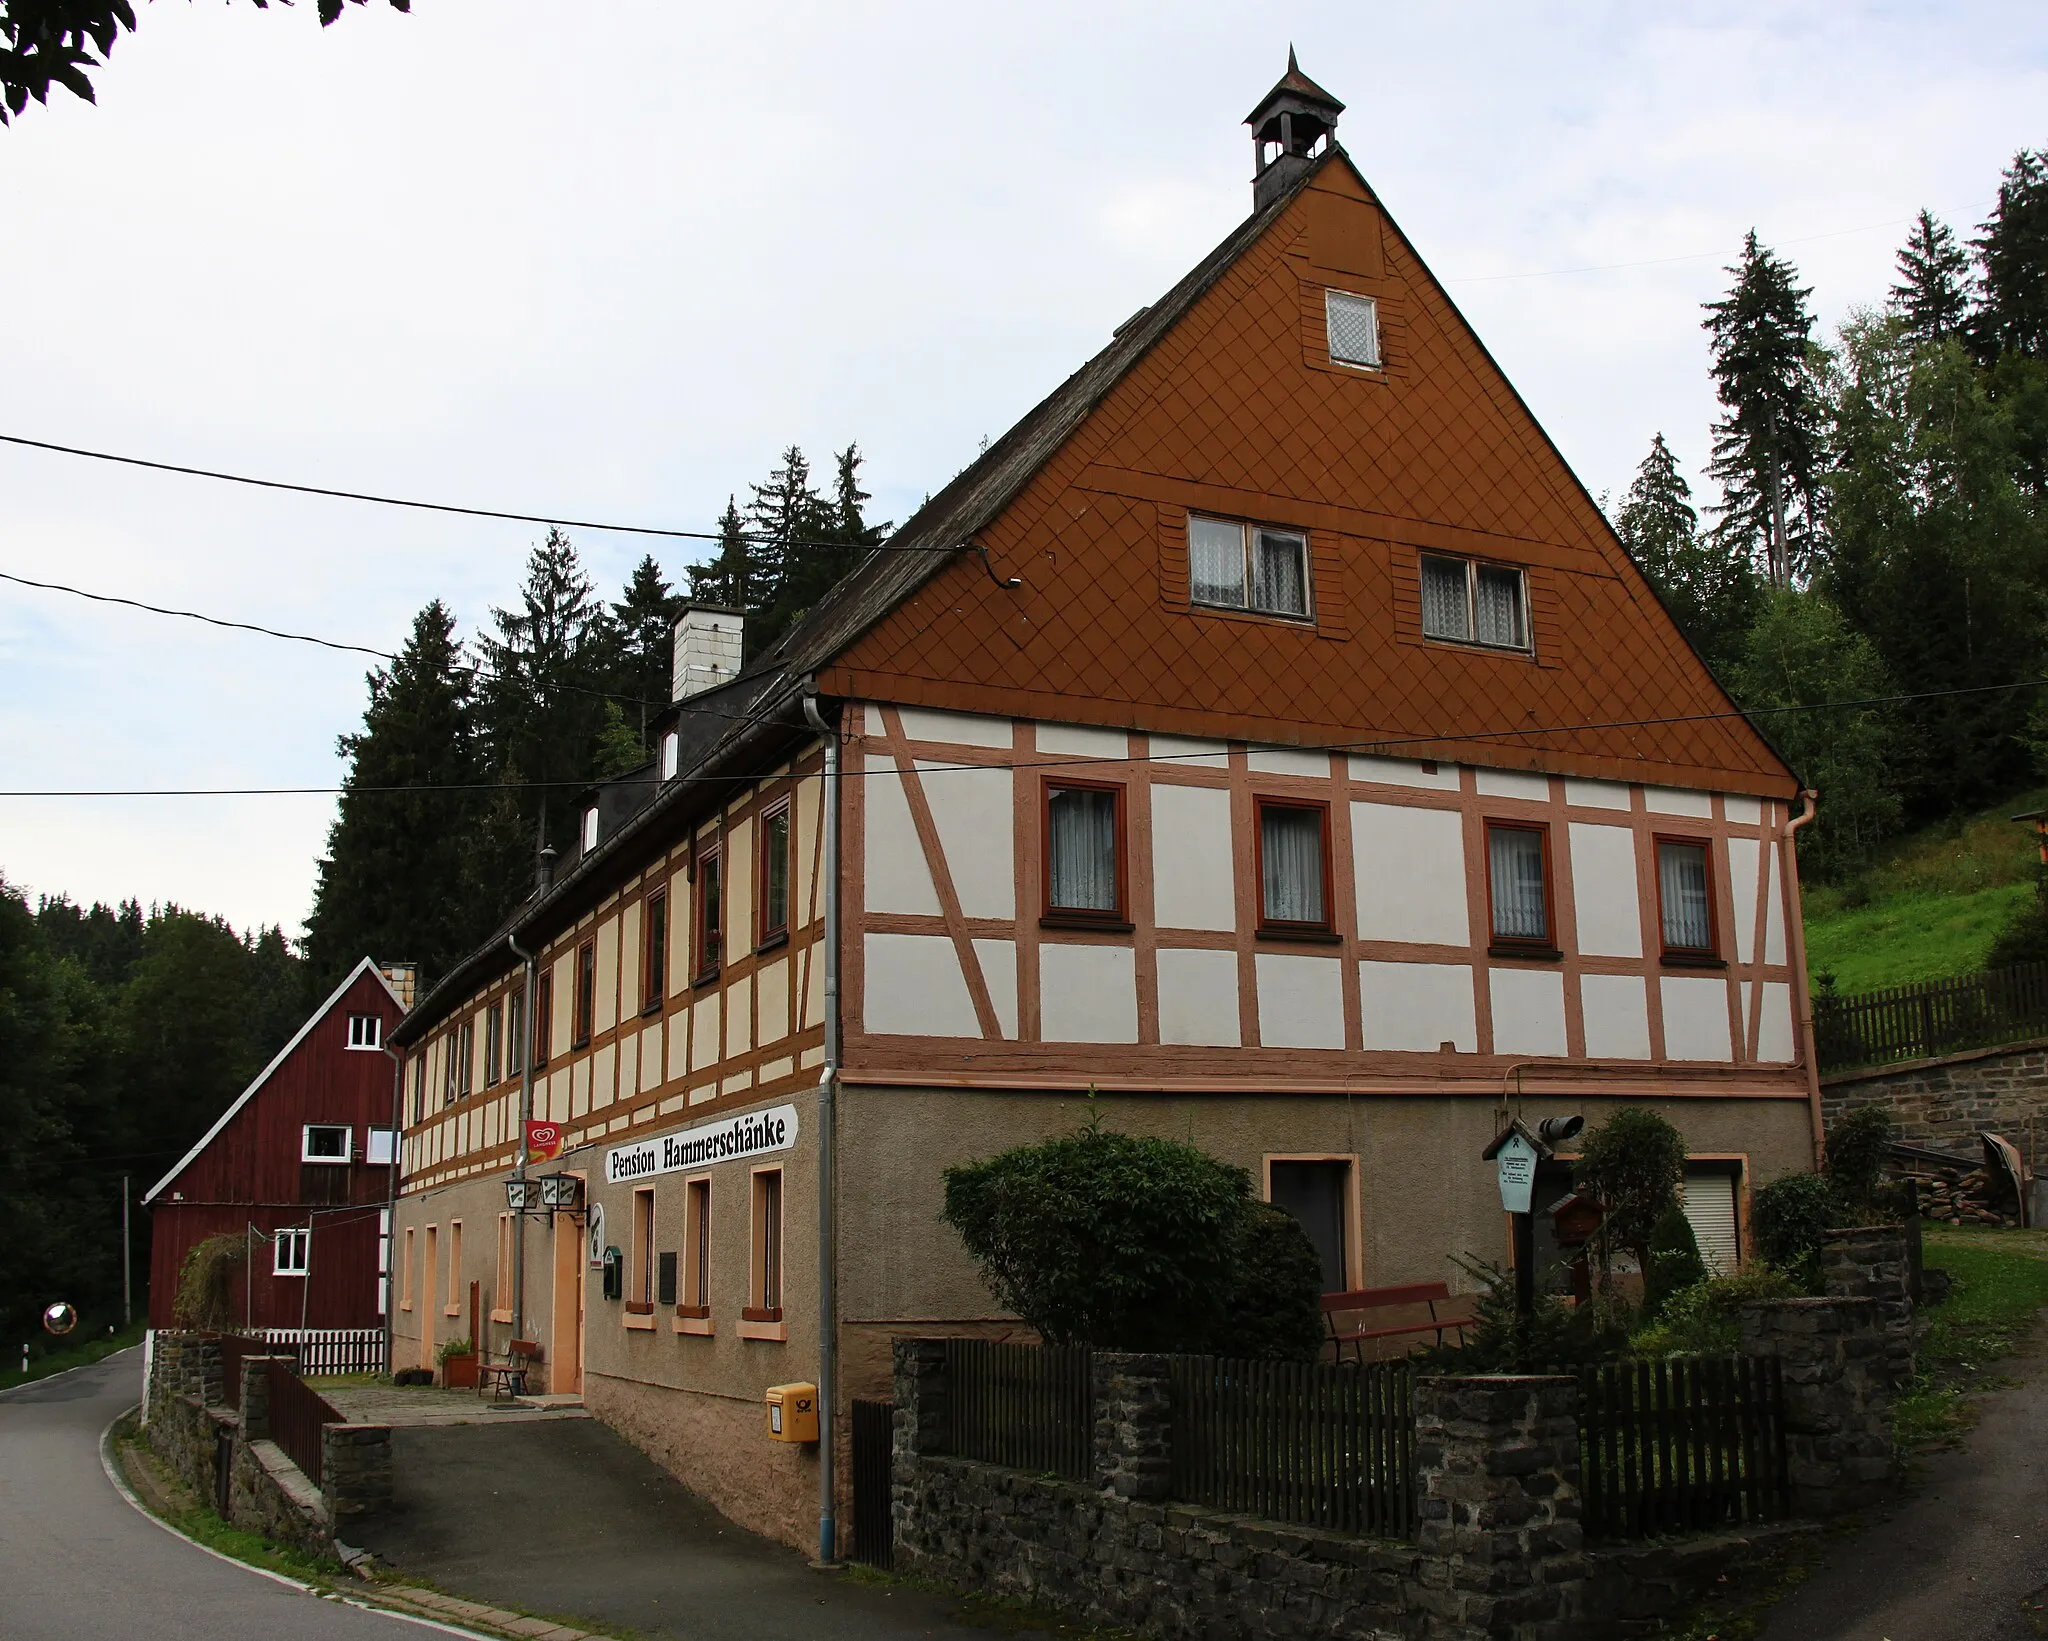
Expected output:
(731, 576)
(1769, 447)
(387, 887)
(1933, 292)
(2012, 257)
(1711, 595)
(643, 624)
(837, 537)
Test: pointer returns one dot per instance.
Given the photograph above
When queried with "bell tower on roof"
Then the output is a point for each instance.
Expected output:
(1291, 127)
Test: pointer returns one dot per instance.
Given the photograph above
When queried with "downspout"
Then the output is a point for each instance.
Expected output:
(1795, 924)
(391, 1210)
(525, 1116)
(828, 1091)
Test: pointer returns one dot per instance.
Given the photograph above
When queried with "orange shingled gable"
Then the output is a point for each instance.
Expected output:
(1237, 410)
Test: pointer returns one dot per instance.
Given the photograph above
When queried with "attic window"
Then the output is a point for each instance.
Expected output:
(1467, 602)
(1248, 567)
(671, 753)
(1353, 324)
(325, 1142)
(365, 1031)
(590, 829)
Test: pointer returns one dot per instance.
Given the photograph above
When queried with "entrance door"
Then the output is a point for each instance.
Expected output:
(565, 1349)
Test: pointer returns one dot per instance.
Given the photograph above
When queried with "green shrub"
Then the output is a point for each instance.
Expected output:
(1706, 1318)
(1857, 1149)
(453, 1347)
(1555, 1335)
(1789, 1215)
(1273, 1311)
(1633, 1163)
(1675, 1262)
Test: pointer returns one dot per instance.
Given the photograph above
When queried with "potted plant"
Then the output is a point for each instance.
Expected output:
(458, 1364)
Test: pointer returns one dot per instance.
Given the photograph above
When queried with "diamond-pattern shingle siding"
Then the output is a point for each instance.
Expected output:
(1238, 409)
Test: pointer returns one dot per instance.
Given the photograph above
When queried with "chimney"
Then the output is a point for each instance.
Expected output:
(544, 869)
(1291, 129)
(402, 978)
(707, 648)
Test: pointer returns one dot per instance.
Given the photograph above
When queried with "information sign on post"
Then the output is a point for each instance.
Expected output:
(1516, 1161)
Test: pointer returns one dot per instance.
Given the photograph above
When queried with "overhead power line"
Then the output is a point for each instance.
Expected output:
(1662, 261)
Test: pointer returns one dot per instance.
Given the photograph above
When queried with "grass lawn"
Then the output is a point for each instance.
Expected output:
(2000, 1283)
(81, 1354)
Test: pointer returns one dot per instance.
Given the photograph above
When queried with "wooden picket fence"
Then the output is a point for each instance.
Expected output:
(1313, 1444)
(330, 1350)
(1935, 1017)
(1678, 1446)
(1030, 1407)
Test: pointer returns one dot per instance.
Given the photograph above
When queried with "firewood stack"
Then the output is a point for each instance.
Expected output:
(1959, 1197)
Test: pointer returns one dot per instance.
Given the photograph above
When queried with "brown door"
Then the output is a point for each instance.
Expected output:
(565, 1348)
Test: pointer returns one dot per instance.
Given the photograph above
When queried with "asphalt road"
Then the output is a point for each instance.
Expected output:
(79, 1563)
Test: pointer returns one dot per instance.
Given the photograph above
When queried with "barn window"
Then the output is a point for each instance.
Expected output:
(293, 1251)
(365, 1031)
(326, 1142)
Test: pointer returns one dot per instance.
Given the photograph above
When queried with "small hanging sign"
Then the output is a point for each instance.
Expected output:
(1514, 1156)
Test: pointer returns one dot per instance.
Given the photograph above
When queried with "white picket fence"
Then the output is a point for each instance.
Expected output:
(332, 1350)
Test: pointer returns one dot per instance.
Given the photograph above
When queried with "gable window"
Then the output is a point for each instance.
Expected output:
(586, 993)
(1248, 567)
(1294, 866)
(1518, 874)
(1685, 899)
(465, 1057)
(1466, 602)
(710, 877)
(1083, 851)
(671, 755)
(494, 1043)
(590, 829)
(326, 1142)
(774, 874)
(1353, 326)
(365, 1031)
(293, 1251)
(543, 1018)
(515, 1032)
(654, 954)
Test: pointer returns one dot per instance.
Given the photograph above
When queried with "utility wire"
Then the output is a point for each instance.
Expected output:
(1382, 745)
(1663, 261)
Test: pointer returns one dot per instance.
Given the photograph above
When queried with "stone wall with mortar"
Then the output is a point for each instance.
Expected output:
(1943, 1104)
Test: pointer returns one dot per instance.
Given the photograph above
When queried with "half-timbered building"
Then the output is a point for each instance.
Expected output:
(1267, 736)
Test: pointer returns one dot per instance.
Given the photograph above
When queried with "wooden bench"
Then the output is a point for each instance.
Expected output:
(508, 1378)
(1359, 1300)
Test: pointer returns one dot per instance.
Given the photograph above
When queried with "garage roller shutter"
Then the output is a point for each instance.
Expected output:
(1710, 1206)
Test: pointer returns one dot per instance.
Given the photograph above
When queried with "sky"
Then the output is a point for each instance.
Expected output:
(610, 270)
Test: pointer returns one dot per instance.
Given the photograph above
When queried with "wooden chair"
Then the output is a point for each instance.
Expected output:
(508, 1378)
(1362, 1300)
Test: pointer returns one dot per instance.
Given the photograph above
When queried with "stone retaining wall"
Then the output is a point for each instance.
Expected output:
(1944, 1104)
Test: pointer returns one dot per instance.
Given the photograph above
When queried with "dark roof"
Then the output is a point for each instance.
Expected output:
(1296, 84)
(763, 705)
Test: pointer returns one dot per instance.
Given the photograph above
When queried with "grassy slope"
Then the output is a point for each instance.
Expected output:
(1930, 907)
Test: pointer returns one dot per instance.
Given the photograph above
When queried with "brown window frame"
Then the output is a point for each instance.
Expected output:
(767, 935)
(765, 1265)
(1688, 957)
(448, 1068)
(494, 1043)
(465, 1057)
(419, 1086)
(1050, 916)
(543, 1017)
(515, 1031)
(707, 932)
(1505, 945)
(694, 1294)
(654, 952)
(1251, 530)
(1291, 928)
(583, 1006)
(640, 1272)
(1472, 566)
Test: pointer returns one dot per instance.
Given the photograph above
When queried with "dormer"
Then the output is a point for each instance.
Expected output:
(1291, 129)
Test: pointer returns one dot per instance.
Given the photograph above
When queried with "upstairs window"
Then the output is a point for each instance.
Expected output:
(1294, 867)
(448, 1069)
(1353, 326)
(326, 1142)
(419, 1086)
(775, 874)
(654, 958)
(590, 829)
(1466, 602)
(543, 1018)
(294, 1251)
(586, 993)
(710, 878)
(1518, 871)
(1685, 899)
(515, 1032)
(1248, 567)
(365, 1031)
(494, 1043)
(465, 1057)
(1083, 851)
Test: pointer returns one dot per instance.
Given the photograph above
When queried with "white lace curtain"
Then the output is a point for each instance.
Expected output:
(1291, 845)
(1083, 850)
(1515, 858)
(1682, 878)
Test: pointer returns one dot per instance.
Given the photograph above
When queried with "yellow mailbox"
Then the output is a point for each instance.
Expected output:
(792, 1413)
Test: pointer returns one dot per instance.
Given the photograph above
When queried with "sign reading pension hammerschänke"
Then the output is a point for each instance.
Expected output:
(756, 1134)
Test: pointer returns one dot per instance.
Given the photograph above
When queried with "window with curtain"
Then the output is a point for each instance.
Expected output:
(1352, 324)
(710, 877)
(775, 873)
(654, 963)
(1081, 851)
(1248, 567)
(1291, 888)
(1683, 894)
(1466, 602)
(586, 992)
(1216, 562)
(1521, 909)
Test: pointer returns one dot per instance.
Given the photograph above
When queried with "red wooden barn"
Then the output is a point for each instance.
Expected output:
(299, 1165)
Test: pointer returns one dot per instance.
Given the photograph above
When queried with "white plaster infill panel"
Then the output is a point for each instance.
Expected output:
(1083, 741)
(1671, 800)
(1288, 760)
(1301, 1001)
(1417, 1006)
(704, 1031)
(1409, 865)
(1528, 1011)
(1742, 811)
(1169, 751)
(1087, 994)
(914, 988)
(1513, 783)
(1405, 772)
(772, 983)
(1775, 1029)
(973, 810)
(1743, 857)
(1604, 890)
(1774, 910)
(1595, 794)
(1198, 998)
(1617, 1013)
(1192, 871)
(1695, 1019)
(897, 878)
(998, 960)
(952, 728)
